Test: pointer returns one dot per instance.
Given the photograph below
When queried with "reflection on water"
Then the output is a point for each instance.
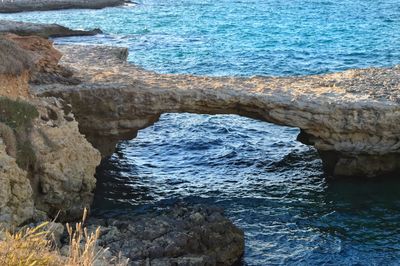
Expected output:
(270, 185)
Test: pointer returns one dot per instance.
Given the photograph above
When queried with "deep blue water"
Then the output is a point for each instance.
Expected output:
(270, 185)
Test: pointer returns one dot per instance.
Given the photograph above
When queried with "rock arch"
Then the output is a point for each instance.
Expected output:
(352, 118)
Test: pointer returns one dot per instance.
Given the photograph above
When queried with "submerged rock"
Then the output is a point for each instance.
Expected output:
(178, 235)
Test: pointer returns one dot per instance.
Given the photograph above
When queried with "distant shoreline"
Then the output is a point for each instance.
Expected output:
(14, 6)
(42, 30)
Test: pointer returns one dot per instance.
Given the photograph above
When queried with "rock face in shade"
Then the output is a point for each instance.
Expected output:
(352, 118)
(12, 6)
(42, 30)
(178, 235)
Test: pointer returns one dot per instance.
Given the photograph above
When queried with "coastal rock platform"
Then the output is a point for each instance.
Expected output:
(352, 118)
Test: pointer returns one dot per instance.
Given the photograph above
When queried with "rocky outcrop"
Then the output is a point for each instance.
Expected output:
(178, 235)
(42, 30)
(351, 117)
(12, 6)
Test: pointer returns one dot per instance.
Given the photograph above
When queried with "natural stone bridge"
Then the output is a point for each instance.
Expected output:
(352, 118)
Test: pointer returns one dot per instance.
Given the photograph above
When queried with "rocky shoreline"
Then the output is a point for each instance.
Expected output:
(13, 6)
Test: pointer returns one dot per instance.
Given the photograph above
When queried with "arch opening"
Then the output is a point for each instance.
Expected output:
(189, 155)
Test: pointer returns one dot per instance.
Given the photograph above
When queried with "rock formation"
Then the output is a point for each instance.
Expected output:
(46, 165)
(11, 6)
(42, 30)
(351, 117)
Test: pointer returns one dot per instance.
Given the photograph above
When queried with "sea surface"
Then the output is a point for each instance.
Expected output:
(269, 184)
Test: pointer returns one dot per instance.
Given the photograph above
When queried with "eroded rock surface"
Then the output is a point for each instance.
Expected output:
(16, 65)
(351, 117)
(45, 60)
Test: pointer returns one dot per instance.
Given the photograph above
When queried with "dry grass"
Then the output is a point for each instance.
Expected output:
(82, 245)
(36, 247)
(28, 247)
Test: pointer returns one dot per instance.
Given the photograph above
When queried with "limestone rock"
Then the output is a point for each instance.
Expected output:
(58, 175)
(62, 177)
(66, 164)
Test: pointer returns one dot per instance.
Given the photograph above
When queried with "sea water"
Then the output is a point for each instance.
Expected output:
(270, 185)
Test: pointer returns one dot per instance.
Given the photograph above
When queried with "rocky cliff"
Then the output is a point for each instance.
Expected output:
(46, 165)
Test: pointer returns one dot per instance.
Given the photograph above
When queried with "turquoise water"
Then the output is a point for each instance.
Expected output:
(270, 185)
(245, 37)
